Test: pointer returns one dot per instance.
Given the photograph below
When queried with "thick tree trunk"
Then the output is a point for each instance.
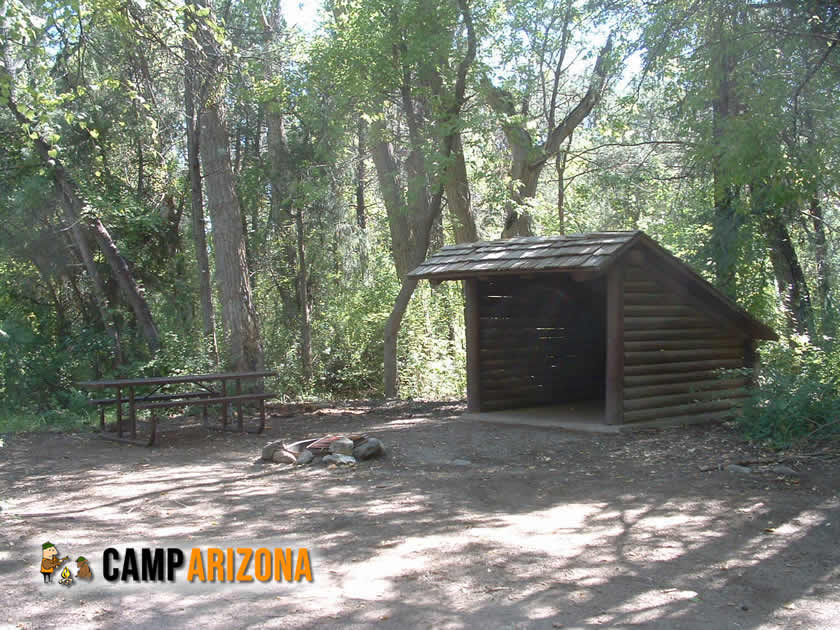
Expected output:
(388, 175)
(725, 236)
(238, 312)
(457, 189)
(392, 329)
(280, 167)
(517, 222)
(790, 279)
(208, 318)
(239, 316)
(725, 227)
(422, 208)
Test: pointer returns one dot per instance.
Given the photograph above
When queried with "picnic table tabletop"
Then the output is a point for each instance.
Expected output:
(167, 380)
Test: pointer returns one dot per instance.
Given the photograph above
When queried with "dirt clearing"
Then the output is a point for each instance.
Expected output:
(462, 525)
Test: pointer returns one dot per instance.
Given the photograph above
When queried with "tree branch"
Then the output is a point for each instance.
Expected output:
(586, 104)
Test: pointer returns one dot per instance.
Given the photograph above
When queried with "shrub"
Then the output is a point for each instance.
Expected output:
(796, 397)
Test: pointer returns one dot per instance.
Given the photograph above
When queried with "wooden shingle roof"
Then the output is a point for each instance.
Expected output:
(530, 253)
(590, 252)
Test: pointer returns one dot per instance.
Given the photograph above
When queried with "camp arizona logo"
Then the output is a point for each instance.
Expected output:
(213, 564)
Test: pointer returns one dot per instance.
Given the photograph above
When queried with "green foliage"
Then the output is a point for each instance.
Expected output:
(38, 368)
(103, 84)
(432, 351)
(797, 395)
(351, 327)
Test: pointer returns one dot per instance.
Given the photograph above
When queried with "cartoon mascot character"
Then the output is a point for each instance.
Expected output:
(84, 568)
(50, 560)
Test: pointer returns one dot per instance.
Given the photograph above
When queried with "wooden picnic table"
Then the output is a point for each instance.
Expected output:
(213, 389)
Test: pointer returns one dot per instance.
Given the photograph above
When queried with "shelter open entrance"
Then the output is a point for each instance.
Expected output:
(542, 342)
(602, 329)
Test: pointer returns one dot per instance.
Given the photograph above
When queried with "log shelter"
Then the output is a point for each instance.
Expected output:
(611, 318)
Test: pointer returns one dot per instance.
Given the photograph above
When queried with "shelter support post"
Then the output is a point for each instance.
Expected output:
(472, 322)
(615, 346)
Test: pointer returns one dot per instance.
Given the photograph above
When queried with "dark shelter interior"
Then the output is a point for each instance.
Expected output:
(542, 340)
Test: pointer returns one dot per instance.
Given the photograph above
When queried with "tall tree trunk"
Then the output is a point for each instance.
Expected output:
(256, 243)
(393, 196)
(282, 187)
(79, 238)
(457, 188)
(392, 330)
(724, 239)
(280, 166)
(424, 208)
(790, 279)
(239, 315)
(208, 318)
(827, 310)
(303, 298)
(361, 131)
(125, 280)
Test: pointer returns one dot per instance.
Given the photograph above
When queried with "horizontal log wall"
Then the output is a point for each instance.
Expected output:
(673, 354)
(541, 341)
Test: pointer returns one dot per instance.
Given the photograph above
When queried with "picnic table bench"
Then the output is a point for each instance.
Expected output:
(207, 394)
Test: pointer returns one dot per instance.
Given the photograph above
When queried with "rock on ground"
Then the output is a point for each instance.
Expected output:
(368, 449)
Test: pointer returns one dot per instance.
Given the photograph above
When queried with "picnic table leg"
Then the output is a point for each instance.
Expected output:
(119, 412)
(224, 404)
(102, 418)
(152, 429)
(262, 415)
(132, 413)
(261, 425)
(204, 414)
(239, 405)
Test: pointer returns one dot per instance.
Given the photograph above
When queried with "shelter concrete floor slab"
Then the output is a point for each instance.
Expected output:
(585, 416)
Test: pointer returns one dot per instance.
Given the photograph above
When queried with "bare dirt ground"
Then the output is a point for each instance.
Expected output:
(531, 528)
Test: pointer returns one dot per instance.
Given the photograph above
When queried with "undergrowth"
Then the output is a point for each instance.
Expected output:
(796, 398)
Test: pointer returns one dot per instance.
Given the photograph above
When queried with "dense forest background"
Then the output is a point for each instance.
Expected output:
(198, 186)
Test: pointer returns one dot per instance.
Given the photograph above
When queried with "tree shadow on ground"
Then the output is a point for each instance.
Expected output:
(540, 530)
